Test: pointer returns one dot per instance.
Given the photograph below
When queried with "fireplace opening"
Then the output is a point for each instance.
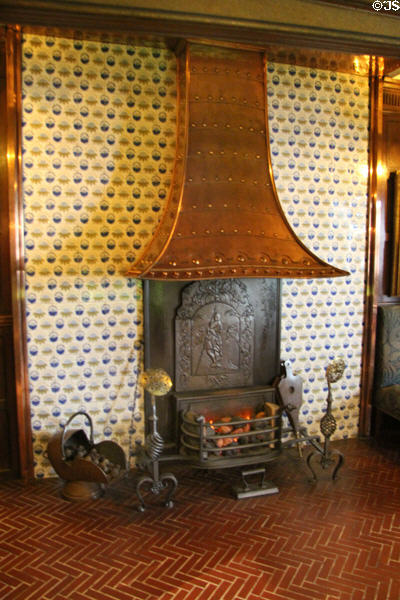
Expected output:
(219, 340)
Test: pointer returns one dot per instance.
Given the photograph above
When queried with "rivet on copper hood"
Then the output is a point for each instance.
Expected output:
(223, 214)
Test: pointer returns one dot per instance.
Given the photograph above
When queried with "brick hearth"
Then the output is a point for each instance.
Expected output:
(328, 541)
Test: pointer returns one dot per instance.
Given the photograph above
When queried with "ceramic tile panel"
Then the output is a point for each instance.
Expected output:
(318, 124)
(98, 150)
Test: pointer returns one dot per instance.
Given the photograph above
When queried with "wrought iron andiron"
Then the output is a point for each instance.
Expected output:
(157, 383)
(327, 425)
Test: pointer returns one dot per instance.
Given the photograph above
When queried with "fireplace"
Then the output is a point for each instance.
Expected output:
(219, 341)
(211, 334)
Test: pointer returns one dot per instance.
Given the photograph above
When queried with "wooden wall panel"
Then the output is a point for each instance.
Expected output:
(391, 163)
(391, 136)
(8, 433)
(9, 438)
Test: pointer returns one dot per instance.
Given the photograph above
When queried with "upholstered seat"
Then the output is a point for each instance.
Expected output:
(388, 400)
(387, 362)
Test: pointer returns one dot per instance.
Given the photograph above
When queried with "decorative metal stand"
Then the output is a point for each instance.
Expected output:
(158, 383)
(327, 456)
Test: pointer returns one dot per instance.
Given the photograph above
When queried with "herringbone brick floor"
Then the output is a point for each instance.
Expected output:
(326, 541)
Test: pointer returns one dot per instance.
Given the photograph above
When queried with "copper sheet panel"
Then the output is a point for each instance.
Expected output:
(223, 217)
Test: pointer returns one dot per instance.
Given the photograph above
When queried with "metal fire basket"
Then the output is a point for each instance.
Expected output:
(258, 445)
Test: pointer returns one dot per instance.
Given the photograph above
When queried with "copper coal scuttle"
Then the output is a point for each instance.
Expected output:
(87, 468)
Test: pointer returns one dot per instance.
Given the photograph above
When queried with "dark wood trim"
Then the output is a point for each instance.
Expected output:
(391, 119)
(391, 96)
(343, 62)
(9, 459)
(5, 320)
(14, 132)
(391, 65)
(9, 453)
(376, 195)
(357, 5)
(393, 204)
(261, 30)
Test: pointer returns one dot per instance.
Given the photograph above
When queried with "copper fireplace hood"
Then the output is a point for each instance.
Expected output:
(223, 217)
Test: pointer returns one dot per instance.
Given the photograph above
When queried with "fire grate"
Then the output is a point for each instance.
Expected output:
(220, 429)
(250, 440)
(229, 428)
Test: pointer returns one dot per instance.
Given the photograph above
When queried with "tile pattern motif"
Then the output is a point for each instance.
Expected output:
(98, 150)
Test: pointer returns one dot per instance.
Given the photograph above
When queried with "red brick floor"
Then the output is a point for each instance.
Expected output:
(326, 541)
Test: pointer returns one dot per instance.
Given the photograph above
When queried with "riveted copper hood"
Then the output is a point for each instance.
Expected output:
(223, 217)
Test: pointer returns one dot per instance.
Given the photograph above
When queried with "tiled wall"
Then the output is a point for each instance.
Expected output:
(319, 144)
(98, 142)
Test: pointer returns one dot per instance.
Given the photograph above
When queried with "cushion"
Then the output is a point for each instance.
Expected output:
(388, 346)
(387, 399)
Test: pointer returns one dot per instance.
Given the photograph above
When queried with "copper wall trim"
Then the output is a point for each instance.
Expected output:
(375, 230)
(14, 175)
(223, 217)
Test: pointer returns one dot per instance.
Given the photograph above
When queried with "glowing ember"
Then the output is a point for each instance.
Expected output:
(246, 415)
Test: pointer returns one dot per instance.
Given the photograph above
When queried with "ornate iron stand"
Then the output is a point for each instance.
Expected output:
(327, 456)
(157, 382)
